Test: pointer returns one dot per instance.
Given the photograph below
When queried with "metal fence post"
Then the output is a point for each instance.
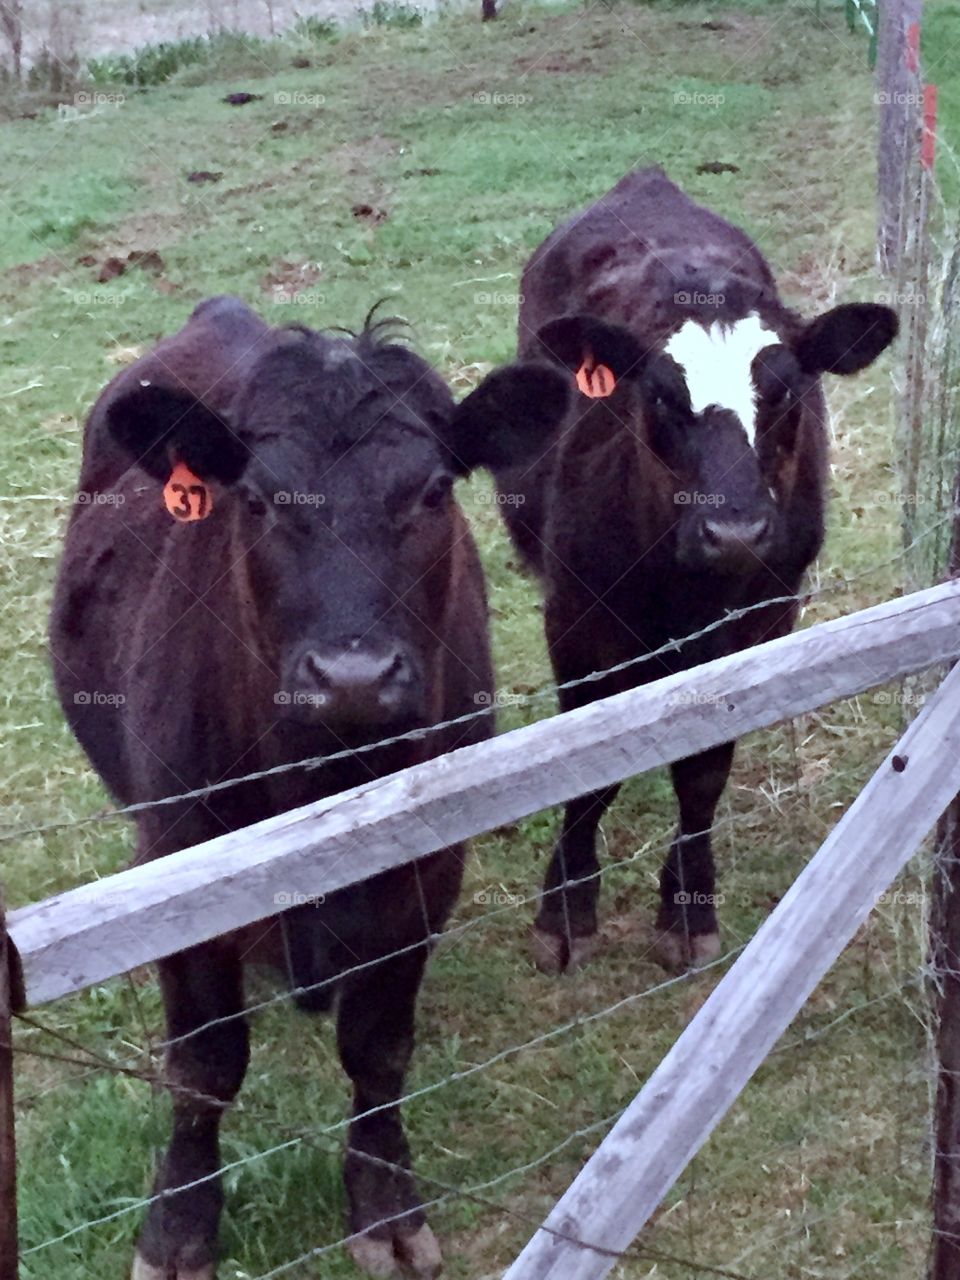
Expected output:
(9, 1247)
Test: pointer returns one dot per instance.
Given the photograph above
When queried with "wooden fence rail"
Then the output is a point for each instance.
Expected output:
(99, 930)
(680, 1105)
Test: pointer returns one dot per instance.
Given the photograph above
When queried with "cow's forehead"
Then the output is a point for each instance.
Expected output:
(717, 360)
(313, 394)
(396, 453)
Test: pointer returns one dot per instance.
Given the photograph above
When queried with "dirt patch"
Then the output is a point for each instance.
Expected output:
(145, 232)
(732, 26)
(717, 166)
(286, 281)
(370, 214)
(814, 278)
(361, 157)
(42, 269)
(559, 64)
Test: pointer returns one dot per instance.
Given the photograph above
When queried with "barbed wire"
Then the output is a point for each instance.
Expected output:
(580, 1021)
(466, 1073)
(449, 1191)
(452, 934)
(546, 692)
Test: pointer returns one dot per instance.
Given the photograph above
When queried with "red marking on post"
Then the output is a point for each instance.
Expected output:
(595, 380)
(912, 53)
(928, 145)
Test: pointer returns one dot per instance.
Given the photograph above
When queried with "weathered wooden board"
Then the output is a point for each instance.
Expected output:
(94, 932)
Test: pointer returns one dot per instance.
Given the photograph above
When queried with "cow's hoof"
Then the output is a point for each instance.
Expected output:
(678, 952)
(420, 1253)
(417, 1254)
(143, 1270)
(556, 953)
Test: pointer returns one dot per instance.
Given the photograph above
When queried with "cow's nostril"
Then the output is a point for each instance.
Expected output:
(761, 529)
(314, 668)
(720, 534)
(353, 685)
(396, 667)
(712, 532)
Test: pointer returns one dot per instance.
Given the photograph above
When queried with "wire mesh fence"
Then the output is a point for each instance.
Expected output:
(513, 1080)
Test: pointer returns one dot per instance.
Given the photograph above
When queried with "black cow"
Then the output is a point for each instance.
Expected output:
(688, 481)
(267, 563)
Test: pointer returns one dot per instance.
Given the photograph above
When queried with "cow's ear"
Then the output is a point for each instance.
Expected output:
(510, 417)
(158, 427)
(575, 341)
(846, 339)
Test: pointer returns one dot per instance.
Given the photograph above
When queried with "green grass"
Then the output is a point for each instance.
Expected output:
(940, 51)
(820, 1169)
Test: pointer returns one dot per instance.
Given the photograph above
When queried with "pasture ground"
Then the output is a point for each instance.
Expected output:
(425, 165)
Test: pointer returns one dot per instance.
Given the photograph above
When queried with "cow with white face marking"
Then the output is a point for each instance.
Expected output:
(687, 481)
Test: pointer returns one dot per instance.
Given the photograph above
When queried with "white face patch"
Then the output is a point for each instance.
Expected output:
(716, 364)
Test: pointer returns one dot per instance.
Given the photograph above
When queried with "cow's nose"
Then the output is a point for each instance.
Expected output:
(735, 544)
(356, 686)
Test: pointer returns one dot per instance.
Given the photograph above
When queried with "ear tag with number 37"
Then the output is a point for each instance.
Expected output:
(595, 380)
(186, 496)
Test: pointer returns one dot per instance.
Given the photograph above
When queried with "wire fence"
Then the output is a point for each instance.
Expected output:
(144, 1063)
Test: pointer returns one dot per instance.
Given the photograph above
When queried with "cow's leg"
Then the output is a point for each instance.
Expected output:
(687, 921)
(179, 1237)
(566, 924)
(375, 1035)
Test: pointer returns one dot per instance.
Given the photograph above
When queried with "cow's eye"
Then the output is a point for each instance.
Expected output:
(776, 374)
(256, 505)
(437, 491)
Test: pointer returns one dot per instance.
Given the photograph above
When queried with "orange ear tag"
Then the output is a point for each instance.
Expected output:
(595, 380)
(185, 495)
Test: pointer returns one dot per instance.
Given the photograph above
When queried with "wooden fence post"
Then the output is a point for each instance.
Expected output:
(617, 1191)
(896, 85)
(945, 961)
(9, 1246)
(945, 954)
